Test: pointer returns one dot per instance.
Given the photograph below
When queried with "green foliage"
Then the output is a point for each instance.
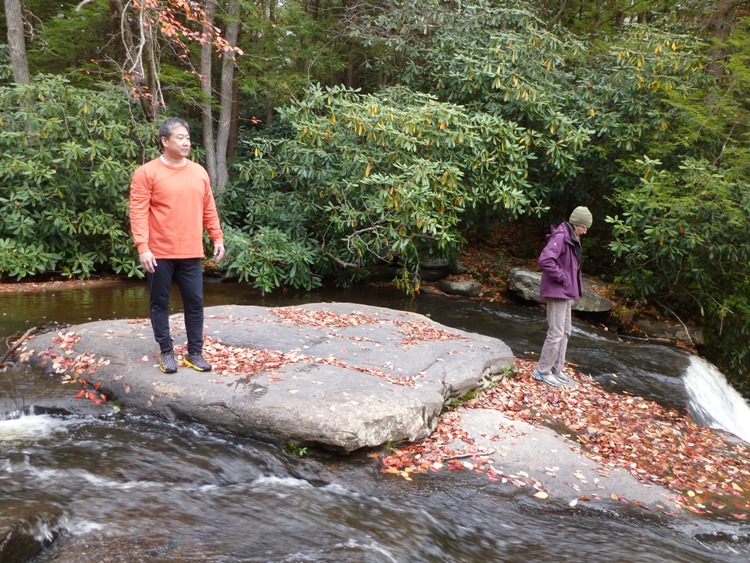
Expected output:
(68, 155)
(378, 178)
(302, 43)
(684, 237)
(6, 74)
(578, 109)
(525, 117)
(605, 17)
(715, 119)
(295, 449)
(456, 402)
(84, 60)
(501, 63)
(270, 258)
(683, 224)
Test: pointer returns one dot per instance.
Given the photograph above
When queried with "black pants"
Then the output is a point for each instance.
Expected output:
(188, 274)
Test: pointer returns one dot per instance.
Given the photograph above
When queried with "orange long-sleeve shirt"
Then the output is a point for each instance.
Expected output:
(169, 207)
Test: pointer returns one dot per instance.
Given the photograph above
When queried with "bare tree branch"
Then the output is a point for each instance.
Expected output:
(82, 4)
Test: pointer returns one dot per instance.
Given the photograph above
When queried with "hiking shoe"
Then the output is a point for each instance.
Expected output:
(548, 379)
(197, 362)
(565, 380)
(167, 363)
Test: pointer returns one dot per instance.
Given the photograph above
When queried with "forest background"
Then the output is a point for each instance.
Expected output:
(344, 134)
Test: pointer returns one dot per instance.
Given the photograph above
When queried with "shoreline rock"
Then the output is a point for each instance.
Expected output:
(525, 284)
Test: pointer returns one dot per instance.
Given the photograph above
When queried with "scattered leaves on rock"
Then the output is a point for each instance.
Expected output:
(414, 331)
(322, 317)
(420, 331)
(707, 473)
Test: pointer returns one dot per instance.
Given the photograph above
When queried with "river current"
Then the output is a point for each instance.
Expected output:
(129, 488)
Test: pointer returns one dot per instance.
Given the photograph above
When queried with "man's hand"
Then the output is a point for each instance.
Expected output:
(218, 251)
(148, 261)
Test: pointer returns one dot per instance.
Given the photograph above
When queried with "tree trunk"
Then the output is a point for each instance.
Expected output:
(269, 112)
(209, 144)
(721, 25)
(17, 42)
(154, 97)
(141, 64)
(126, 41)
(235, 129)
(564, 5)
(227, 98)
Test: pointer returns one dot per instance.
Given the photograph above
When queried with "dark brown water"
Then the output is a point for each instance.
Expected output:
(129, 488)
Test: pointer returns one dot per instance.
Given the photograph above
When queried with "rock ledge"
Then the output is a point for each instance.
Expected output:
(343, 375)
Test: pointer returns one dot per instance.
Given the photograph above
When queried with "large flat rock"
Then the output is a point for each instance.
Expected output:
(344, 375)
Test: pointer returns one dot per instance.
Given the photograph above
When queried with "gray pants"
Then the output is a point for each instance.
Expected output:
(552, 357)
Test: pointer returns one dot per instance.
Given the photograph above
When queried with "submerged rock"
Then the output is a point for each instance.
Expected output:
(26, 537)
(343, 375)
(466, 288)
(671, 331)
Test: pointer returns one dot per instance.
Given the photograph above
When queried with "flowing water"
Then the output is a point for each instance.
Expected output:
(713, 402)
(129, 488)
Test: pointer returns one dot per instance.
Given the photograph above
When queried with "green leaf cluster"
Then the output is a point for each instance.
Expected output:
(682, 229)
(581, 105)
(684, 239)
(67, 158)
(83, 60)
(378, 178)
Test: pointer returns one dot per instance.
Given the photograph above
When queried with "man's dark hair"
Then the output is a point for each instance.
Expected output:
(169, 126)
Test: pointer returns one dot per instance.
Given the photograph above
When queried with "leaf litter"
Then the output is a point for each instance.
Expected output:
(706, 472)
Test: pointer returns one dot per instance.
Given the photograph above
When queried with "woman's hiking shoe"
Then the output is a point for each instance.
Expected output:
(197, 362)
(167, 363)
(548, 379)
(565, 380)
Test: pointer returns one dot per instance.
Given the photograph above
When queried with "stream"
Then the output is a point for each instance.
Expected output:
(129, 488)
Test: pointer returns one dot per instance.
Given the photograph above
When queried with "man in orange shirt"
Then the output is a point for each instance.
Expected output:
(170, 204)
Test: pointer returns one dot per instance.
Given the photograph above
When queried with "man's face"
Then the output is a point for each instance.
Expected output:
(177, 145)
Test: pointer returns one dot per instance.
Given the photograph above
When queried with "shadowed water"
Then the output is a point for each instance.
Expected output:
(130, 488)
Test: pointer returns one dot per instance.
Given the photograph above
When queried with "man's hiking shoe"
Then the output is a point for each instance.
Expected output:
(167, 363)
(197, 362)
(548, 379)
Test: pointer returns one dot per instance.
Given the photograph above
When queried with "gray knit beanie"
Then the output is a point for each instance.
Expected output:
(581, 216)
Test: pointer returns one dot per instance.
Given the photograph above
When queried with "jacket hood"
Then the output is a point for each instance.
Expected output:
(556, 230)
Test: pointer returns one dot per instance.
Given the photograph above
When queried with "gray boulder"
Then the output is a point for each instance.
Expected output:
(343, 375)
(466, 288)
(525, 284)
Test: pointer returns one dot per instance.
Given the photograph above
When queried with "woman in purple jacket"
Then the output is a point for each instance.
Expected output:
(560, 262)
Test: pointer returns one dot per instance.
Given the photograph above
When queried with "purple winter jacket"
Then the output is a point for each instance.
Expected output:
(559, 261)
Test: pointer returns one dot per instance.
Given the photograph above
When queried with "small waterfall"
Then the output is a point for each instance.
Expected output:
(29, 427)
(713, 402)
